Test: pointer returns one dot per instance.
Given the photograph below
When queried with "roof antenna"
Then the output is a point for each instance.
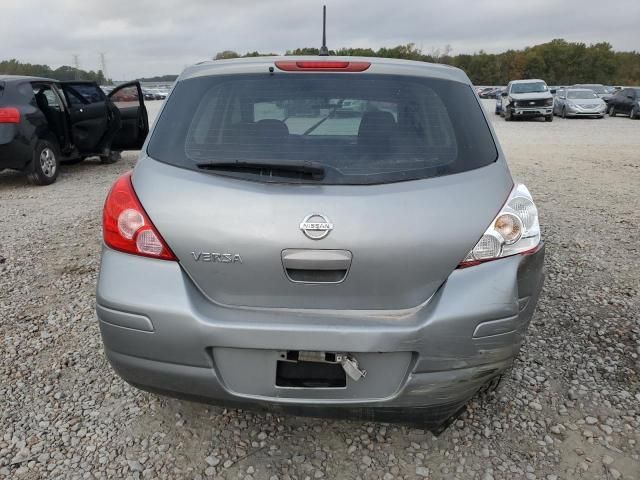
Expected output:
(324, 51)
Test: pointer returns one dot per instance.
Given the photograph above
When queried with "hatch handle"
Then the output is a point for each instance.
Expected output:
(306, 259)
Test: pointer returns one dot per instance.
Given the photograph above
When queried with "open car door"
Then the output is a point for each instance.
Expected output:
(88, 115)
(134, 122)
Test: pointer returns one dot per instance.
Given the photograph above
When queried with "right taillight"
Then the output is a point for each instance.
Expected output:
(9, 115)
(515, 230)
(126, 226)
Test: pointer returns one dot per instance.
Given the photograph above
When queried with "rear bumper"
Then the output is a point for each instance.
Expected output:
(427, 399)
(16, 151)
(165, 336)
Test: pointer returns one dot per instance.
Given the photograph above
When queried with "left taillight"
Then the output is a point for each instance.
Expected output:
(126, 226)
(9, 115)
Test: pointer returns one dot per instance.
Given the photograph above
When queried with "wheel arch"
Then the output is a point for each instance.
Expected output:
(41, 132)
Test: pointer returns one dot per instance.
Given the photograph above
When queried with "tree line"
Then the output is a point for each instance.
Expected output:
(558, 62)
(159, 78)
(14, 67)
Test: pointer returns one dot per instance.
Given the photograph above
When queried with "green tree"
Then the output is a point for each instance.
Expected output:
(225, 54)
(14, 67)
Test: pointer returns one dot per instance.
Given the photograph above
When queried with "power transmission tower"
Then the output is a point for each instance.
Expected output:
(76, 65)
(103, 62)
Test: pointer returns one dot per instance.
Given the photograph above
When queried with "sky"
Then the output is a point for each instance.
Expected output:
(144, 37)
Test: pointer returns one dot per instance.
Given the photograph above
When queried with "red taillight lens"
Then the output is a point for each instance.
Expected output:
(9, 115)
(323, 65)
(125, 225)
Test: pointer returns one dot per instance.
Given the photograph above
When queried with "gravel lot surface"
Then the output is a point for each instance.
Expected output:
(571, 408)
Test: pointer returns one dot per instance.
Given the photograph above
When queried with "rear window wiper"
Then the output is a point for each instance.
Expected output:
(300, 170)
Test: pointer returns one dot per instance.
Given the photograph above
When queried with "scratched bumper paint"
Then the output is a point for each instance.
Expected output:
(435, 355)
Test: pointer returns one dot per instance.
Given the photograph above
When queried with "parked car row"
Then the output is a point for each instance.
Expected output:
(159, 93)
(155, 93)
(584, 101)
(533, 98)
(489, 92)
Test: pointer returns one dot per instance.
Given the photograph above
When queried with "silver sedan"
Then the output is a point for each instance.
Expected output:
(578, 102)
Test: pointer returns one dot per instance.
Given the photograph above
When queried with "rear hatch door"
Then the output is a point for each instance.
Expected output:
(411, 180)
(404, 239)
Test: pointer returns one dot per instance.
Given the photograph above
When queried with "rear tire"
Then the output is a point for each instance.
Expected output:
(612, 111)
(113, 157)
(564, 112)
(46, 163)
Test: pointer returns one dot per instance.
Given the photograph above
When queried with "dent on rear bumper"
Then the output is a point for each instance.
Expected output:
(493, 302)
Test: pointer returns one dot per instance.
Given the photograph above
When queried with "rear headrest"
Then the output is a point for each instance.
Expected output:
(271, 129)
(376, 129)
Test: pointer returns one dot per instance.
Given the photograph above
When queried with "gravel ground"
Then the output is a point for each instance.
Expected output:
(571, 408)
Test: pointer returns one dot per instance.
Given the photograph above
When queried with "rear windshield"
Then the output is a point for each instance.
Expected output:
(361, 128)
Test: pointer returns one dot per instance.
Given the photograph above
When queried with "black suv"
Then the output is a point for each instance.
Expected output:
(44, 122)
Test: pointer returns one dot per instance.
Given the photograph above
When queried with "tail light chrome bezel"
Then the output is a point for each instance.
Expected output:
(520, 205)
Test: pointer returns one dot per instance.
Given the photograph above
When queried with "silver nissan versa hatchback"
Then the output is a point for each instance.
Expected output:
(328, 236)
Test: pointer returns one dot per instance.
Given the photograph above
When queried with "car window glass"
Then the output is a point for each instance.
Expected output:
(52, 98)
(364, 129)
(74, 98)
(581, 94)
(300, 115)
(529, 87)
(310, 116)
(597, 89)
(126, 97)
(90, 93)
(45, 96)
